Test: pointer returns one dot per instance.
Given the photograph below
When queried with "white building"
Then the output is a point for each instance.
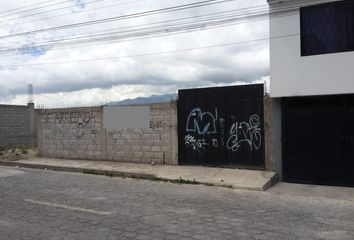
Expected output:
(312, 81)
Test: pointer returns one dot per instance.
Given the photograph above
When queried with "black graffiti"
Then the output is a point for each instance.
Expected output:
(78, 121)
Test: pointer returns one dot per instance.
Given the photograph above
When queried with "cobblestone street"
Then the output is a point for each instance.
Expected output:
(36, 204)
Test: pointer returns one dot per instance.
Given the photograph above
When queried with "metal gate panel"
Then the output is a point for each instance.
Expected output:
(221, 126)
(318, 142)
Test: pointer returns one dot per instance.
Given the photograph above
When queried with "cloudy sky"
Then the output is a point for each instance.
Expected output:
(147, 51)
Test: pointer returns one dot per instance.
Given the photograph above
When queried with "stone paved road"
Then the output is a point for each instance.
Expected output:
(36, 204)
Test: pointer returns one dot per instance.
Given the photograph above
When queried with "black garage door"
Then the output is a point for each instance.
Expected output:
(318, 140)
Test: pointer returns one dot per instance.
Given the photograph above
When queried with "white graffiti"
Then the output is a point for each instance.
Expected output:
(202, 122)
(215, 142)
(245, 133)
(197, 144)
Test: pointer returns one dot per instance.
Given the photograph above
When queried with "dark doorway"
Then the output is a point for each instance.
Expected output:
(318, 140)
(221, 126)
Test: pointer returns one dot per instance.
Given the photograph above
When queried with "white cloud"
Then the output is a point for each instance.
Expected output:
(94, 83)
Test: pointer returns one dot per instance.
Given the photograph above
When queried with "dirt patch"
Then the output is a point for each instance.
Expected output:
(17, 153)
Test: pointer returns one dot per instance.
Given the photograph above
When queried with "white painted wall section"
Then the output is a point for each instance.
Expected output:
(293, 75)
(122, 117)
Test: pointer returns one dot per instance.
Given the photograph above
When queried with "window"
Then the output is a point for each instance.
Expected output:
(327, 28)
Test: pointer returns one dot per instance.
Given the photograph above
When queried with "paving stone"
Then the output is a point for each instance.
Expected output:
(37, 204)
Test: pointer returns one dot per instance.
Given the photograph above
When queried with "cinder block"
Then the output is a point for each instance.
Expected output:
(111, 154)
(135, 136)
(119, 154)
(165, 149)
(155, 148)
(117, 136)
(126, 136)
(148, 154)
(136, 159)
(155, 136)
(165, 112)
(111, 141)
(136, 148)
(146, 160)
(145, 148)
(97, 153)
(154, 111)
(158, 155)
(138, 154)
(91, 147)
(158, 142)
(165, 136)
(119, 142)
(148, 142)
(89, 153)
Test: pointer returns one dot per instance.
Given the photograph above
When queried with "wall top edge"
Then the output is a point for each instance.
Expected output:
(299, 3)
(12, 106)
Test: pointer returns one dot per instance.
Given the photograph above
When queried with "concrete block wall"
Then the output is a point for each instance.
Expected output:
(17, 125)
(70, 133)
(155, 144)
(79, 133)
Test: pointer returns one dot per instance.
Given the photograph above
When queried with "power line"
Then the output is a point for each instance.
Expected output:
(67, 14)
(129, 16)
(140, 33)
(48, 11)
(229, 14)
(297, 3)
(153, 53)
(141, 37)
(279, 9)
(202, 24)
(93, 43)
(31, 5)
(33, 9)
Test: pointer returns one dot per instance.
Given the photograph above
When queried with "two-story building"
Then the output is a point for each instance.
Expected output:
(312, 83)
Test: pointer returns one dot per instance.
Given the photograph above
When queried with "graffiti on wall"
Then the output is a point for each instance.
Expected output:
(80, 123)
(245, 133)
(202, 122)
(221, 126)
(206, 130)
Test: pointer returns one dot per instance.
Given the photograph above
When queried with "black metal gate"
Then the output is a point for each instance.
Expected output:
(318, 140)
(221, 126)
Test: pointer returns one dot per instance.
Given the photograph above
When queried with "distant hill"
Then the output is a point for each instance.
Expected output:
(146, 100)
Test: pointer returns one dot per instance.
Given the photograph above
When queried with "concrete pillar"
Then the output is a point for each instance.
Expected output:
(39, 132)
(174, 133)
(32, 123)
(103, 139)
(273, 135)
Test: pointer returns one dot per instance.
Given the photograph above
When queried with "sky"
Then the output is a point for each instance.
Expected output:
(64, 75)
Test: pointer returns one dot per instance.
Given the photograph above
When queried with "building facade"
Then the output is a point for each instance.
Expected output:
(311, 81)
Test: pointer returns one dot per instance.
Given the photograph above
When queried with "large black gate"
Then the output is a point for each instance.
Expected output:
(318, 140)
(221, 126)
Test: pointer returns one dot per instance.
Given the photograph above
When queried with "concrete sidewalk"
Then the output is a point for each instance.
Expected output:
(224, 177)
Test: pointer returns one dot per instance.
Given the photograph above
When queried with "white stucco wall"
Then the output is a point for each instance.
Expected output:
(293, 75)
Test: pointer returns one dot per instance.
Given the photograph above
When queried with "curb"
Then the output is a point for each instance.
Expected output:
(110, 173)
(146, 176)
